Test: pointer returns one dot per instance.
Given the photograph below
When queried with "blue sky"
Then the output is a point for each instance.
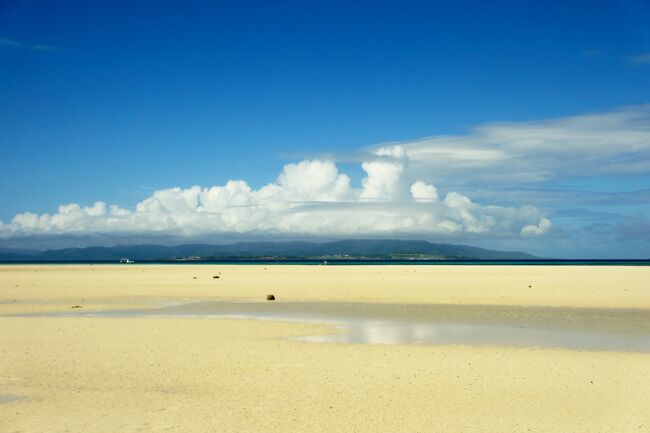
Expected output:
(113, 101)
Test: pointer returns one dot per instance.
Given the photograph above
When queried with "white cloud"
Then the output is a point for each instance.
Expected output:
(531, 152)
(539, 229)
(314, 181)
(382, 180)
(422, 191)
(395, 151)
(308, 198)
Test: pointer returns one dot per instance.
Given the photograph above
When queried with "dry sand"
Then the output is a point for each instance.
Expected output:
(82, 374)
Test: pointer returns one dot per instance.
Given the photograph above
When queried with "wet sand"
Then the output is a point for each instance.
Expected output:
(152, 373)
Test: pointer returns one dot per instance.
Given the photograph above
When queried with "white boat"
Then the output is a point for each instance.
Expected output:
(125, 260)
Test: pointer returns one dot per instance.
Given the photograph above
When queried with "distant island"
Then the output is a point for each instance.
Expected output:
(359, 249)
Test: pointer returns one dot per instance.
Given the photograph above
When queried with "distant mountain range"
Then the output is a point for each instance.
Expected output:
(345, 249)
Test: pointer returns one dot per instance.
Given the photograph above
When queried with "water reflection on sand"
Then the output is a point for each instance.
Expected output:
(392, 332)
(9, 398)
(359, 323)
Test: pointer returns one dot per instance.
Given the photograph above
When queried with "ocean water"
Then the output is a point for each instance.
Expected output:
(353, 262)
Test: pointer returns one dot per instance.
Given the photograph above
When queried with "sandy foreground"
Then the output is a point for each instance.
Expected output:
(91, 374)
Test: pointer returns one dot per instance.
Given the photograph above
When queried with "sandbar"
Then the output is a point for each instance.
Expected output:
(211, 374)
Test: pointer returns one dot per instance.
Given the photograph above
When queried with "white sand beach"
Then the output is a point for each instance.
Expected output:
(206, 374)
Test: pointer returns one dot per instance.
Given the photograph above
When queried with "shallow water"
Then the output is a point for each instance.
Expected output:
(9, 398)
(391, 332)
(359, 323)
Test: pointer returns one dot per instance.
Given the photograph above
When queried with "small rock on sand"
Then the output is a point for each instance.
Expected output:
(270, 297)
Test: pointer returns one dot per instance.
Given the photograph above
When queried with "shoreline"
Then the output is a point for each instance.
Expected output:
(344, 262)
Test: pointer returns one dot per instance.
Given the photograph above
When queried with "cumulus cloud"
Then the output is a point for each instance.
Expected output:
(525, 153)
(382, 180)
(308, 198)
(422, 191)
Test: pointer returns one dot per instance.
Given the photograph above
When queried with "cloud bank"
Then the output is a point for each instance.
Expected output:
(415, 188)
(310, 197)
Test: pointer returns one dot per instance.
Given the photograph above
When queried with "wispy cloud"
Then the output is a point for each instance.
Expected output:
(10, 43)
(550, 197)
(637, 228)
(24, 46)
(527, 153)
(641, 59)
(591, 53)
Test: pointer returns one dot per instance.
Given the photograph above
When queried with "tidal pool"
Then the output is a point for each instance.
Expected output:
(392, 332)
(373, 323)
